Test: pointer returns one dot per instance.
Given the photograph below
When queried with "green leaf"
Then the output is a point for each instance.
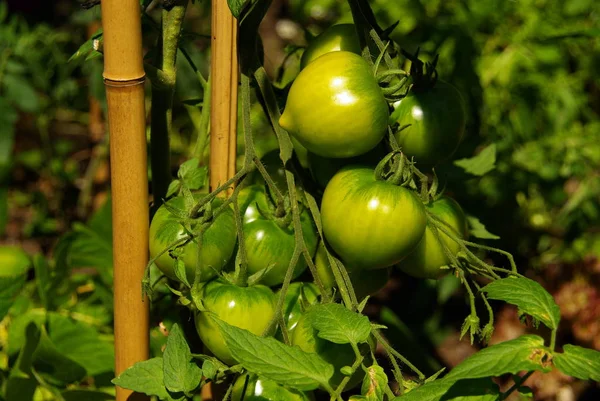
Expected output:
(173, 188)
(10, 287)
(581, 363)
(78, 341)
(82, 343)
(453, 390)
(89, 48)
(42, 278)
(523, 353)
(53, 363)
(374, 383)
(192, 175)
(267, 357)
(338, 324)
(480, 164)
(19, 91)
(144, 377)
(529, 296)
(236, 6)
(478, 230)
(21, 384)
(181, 374)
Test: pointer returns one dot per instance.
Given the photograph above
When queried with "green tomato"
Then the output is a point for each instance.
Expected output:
(364, 282)
(298, 295)
(249, 308)
(261, 389)
(335, 38)
(431, 123)
(428, 257)
(370, 223)
(339, 355)
(323, 169)
(335, 107)
(271, 243)
(210, 255)
(14, 261)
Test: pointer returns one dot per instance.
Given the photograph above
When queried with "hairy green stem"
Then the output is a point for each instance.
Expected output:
(162, 100)
(396, 354)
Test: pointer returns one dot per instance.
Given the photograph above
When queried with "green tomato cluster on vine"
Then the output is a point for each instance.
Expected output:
(337, 114)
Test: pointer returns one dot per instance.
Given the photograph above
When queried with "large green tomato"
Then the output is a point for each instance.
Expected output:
(335, 107)
(261, 389)
(299, 294)
(339, 355)
(431, 123)
(335, 38)
(428, 257)
(249, 308)
(323, 169)
(268, 242)
(211, 253)
(14, 261)
(370, 223)
(364, 282)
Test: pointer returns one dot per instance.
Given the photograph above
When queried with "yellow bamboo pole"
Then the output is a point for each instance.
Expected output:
(223, 112)
(224, 76)
(124, 81)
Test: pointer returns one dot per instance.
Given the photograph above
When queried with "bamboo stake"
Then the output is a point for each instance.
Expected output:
(223, 92)
(223, 117)
(124, 81)
(233, 113)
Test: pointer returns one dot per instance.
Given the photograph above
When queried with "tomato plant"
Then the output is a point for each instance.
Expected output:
(250, 308)
(209, 254)
(260, 389)
(430, 123)
(429, 255)
(335, 107)
(270, 240)
(370, 223)
(335, 38)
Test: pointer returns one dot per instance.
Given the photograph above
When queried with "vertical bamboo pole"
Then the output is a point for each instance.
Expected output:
(124, 81)
(224, 76)
(223, 112)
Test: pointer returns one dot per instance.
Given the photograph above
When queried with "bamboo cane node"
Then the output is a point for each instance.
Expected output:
(123, 83)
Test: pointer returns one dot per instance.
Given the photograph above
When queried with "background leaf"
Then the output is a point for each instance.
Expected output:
(481, 164)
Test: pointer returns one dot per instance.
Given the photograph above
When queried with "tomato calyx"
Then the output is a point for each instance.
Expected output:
(423, 75)
(395, 168)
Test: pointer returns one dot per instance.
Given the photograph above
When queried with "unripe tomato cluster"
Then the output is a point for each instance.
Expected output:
(336, 110)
